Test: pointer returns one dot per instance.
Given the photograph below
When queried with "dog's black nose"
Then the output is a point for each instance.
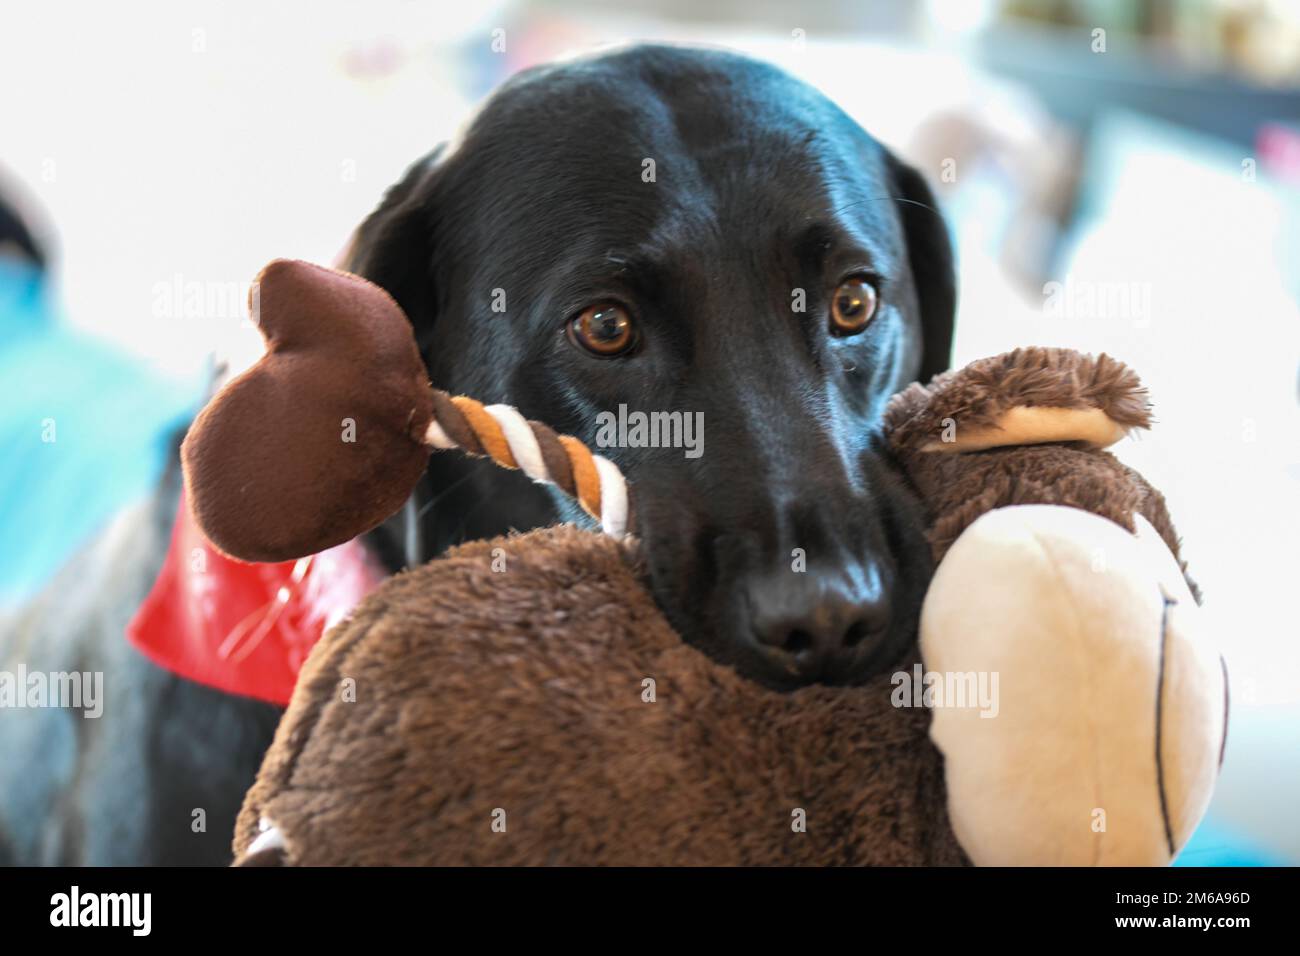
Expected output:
(811, 626)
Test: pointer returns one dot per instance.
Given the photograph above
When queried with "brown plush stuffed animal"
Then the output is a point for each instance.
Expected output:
(523, 701)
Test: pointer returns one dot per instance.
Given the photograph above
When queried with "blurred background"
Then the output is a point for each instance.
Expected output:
(1119, 176)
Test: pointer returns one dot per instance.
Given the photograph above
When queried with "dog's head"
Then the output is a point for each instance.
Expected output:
(686, 247)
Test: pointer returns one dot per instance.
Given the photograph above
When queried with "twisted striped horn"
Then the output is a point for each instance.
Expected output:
(500, 433)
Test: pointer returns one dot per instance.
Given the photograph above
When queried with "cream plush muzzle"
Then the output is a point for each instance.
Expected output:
(1111, 712)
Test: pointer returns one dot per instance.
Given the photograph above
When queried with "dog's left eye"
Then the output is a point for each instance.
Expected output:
(604, 329)
(853, 306)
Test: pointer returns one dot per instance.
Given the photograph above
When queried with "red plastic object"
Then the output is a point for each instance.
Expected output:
(245, 628)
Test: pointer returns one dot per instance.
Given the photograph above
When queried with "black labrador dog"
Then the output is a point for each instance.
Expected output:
(653, 230)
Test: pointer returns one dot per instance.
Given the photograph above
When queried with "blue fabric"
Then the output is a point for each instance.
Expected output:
(84, 427)
(1217, 844)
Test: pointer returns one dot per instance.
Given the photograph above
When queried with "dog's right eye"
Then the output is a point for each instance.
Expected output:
(853, 306)
(604, 329)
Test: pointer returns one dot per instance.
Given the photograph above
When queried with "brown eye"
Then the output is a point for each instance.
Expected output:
(604, 329)
(853, 306)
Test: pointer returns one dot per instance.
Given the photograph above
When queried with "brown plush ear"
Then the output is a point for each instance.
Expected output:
(1026, 397)
(322, 439)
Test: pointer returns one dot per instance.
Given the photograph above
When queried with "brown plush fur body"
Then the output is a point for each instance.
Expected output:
(959, 488)
(522, 690)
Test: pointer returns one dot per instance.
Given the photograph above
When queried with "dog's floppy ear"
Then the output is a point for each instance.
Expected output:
(400, 248)
(322, 439)
(929, 252)
(393, 248)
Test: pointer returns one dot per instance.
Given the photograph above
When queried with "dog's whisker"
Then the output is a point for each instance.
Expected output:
(902, 199)
(424, 509)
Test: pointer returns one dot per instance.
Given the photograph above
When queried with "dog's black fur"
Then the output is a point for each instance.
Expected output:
(761, 187)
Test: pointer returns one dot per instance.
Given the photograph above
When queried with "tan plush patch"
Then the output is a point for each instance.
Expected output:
(979, 395)
(1034, 426)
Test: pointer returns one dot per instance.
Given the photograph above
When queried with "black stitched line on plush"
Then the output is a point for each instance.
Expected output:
(1160, 694)
(1223, 744)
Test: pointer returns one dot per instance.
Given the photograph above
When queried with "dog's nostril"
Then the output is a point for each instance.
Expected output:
(823, 634)
(823, 628)
(797, 641)
(857, 633)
